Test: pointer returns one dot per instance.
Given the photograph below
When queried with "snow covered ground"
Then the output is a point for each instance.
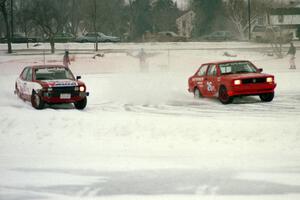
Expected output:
(143, 136)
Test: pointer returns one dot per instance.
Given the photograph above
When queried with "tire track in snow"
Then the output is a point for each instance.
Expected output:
(282, 106)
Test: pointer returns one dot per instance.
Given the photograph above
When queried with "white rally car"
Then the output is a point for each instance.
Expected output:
(51, 84)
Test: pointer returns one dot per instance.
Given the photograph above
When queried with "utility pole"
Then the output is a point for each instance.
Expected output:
(249, 18)
(95, 23)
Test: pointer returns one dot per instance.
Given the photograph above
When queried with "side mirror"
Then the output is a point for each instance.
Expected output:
(260, 70)
(78, 77)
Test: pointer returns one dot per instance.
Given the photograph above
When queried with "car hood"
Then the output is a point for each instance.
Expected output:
(59, 83)
(247, 75)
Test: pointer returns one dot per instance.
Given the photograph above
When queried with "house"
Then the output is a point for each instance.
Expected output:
(287, 18)
(185, 24)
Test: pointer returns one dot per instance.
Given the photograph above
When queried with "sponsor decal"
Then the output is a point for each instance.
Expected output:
(198, 79)
(60, 83)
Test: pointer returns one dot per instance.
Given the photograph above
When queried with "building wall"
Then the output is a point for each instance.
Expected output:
(285, 19)
(185, 24)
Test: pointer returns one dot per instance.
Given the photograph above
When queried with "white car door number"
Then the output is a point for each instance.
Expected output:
(210, 87)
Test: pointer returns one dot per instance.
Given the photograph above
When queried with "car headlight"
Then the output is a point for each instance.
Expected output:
(237, 82)
(50, 89)
(269, 80)
(81, 88)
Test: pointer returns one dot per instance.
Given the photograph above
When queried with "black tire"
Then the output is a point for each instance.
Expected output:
(223, 96)
(36, 101)
(266, 97)
(80, 105)
(17, 91)
(197, 93)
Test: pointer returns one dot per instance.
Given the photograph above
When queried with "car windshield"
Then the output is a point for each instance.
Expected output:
(237, 67)
(53, 73)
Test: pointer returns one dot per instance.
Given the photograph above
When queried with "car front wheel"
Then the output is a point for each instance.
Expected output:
(266, 97)
(197, 94)
(224, 97)
(80, 105)
(36, 101)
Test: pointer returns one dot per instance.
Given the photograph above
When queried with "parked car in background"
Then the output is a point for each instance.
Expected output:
(229, 79)
(21, 38)
(169, 36)
(219, 36)
(64, 37)
(271, 34)
(51, 84)
(100, 37)
(164, 36)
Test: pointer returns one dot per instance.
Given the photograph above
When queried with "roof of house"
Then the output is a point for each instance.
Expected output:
(184, 13)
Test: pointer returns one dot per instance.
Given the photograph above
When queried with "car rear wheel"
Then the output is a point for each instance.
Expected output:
(197, 94)
(223, 96)
(36, 101)
(266, 97)
(80, 105)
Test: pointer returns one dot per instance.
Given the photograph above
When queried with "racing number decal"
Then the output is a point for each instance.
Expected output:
(210, 87)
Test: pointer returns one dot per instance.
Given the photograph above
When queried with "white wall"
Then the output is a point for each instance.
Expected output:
(287, 19)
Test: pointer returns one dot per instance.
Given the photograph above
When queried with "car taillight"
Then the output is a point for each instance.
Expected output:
(237, 82)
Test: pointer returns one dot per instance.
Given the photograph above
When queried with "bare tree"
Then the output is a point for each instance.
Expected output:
(3, 9)
(236, 11)
(51, 17)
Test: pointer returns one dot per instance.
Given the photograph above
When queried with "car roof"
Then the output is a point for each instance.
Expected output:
(225, 61)
(46, 66)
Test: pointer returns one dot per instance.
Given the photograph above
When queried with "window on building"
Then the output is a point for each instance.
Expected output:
(280, 18)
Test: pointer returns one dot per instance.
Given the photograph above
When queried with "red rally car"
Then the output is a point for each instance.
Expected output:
(51, 84)
(229, 79)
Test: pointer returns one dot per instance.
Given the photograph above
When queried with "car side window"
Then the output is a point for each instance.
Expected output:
(29, 75)
(212, 71)
(202, 70)
(24, 74)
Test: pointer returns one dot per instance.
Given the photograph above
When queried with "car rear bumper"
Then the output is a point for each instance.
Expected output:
(252, 89)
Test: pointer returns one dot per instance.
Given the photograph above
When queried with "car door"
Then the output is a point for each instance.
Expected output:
(28, 83)
(198, 78)
(22, 83)
(91, 37)
(211, 81)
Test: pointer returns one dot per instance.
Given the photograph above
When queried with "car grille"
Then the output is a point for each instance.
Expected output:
(56, 91)
(253, 80)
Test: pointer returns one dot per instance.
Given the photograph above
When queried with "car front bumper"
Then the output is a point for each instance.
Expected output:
(252, 89)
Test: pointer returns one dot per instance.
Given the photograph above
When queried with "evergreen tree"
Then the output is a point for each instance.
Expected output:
(164, 14)
(140, 17)
(3, 9)
(208, 13)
